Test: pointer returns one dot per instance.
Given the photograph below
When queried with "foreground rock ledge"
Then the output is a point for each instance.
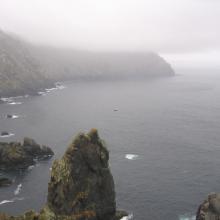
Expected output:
(210, 208)
(81, 185)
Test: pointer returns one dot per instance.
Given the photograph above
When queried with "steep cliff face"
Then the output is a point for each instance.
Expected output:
(81, 185)
(87, 186)
(26, 68)
(210, 208)
(20, 73)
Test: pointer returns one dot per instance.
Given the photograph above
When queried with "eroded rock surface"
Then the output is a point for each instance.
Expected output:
(81, 185)
(16, 155)
(210, 208)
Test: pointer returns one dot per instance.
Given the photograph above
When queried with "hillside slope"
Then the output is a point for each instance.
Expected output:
(20, 73)
(87, 65)
(27, 68)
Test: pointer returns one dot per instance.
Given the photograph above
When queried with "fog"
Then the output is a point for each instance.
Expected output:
(174, 28)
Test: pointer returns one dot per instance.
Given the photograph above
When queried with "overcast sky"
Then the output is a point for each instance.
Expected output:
(164, 26)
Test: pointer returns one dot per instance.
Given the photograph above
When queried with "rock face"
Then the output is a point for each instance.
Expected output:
(15, 155)
(87, 186)
(81, 185)
(210, 208)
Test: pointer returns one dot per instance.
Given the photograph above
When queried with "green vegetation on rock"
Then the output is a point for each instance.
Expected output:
(15, 155)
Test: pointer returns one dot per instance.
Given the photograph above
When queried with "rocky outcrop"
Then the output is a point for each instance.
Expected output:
(15, 155)
(210, 208)
(81, 185)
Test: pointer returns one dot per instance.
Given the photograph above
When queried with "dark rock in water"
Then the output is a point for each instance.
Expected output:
(15, 155)
(210, 208)
(5, 182)
(81, 185)
(4, 133)
(35, 150)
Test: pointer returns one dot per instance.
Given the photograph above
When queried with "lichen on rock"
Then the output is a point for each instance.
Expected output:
(81, 182)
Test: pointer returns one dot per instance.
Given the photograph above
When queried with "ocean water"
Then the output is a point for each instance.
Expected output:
(163, 136)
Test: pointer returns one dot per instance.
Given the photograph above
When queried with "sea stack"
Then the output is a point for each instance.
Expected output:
(81, 185)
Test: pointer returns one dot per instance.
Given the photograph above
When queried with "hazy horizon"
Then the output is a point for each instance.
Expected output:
(184, 32)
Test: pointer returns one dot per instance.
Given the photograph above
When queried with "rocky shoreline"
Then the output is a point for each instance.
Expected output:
(16, 155)
(81, 186)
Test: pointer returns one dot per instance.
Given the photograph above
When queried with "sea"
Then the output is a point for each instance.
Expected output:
(163, 135)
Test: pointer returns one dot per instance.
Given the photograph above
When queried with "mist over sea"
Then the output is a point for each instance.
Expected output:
(163, 135)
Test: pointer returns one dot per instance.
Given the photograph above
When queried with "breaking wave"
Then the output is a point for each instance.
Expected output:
(131, 156)
(11, 200)
(18, 189)
(129, 217)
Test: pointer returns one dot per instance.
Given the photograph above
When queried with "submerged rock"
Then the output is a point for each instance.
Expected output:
(15, 155)
(210, 208)
(5, 182)
(4, 133)
(81, 185)
(9, 116)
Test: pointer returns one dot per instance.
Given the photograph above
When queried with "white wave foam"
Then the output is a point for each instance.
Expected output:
(6, 136)
(12, 116)
(61, 87)
(51, 89)
(58, 86)
(18, 189)
(15, 116)
(129, 217)
(10, 99)
(11, 200)
(6, 201)
(131, 156)
(187, 217)
(42, 93)
(14, 103)
(30, 167)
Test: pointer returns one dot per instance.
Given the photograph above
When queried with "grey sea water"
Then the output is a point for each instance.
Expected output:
(163, 136)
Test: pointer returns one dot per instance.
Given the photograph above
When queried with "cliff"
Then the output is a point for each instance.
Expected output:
(81, 185)
(20, 73)
(72, 64)
(26, 68)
